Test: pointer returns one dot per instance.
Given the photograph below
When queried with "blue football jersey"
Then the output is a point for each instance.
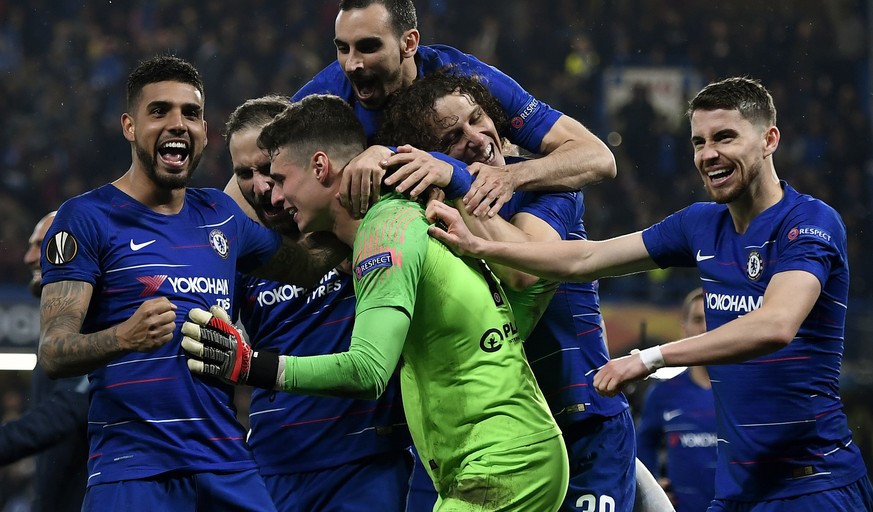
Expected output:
(567, 346)
(679, 415)
(530, 118)
(782, 430)
(291, 432)
(148, 414)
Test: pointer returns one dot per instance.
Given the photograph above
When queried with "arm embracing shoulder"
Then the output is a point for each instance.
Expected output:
(573, 260)
(573, 158)
(363, 371)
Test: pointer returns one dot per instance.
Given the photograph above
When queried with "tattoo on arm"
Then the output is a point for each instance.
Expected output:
(63, 350)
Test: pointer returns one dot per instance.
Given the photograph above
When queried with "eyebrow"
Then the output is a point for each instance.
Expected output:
(363, 40)
(168, 104)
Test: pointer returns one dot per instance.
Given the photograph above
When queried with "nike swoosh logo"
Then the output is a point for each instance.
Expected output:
(135, 246)
(669, 415)
(700, 257)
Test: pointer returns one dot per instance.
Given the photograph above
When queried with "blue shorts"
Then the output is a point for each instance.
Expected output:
(856, 497)
(241, 491)
(602, 455)
(379, 483)
(422, 494)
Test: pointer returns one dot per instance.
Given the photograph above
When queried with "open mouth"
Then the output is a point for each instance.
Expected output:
(174, 153)
(719, 176)
(270, 210)
(488, 155)
(365, 88)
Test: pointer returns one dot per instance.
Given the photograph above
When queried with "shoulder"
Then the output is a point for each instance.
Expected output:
(330, 80)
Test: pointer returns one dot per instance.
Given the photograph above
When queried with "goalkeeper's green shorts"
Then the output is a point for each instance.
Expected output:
(529, 478)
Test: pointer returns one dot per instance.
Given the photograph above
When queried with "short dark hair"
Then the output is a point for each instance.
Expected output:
(743, 94)
(317, 122)
(402, 12)
(410, 117)
(255, 113)
(161, 68)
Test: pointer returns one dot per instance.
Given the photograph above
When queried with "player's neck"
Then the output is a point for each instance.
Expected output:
(763, 193)
(344, 226)
(161, 200)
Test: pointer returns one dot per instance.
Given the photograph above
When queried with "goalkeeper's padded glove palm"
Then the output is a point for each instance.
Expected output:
(215, 347)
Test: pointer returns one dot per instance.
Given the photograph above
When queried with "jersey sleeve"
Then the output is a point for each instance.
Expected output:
(390, 248)
(362, 371)
(814, 241)
(668, 242)
(330, 80)
(71, 247)
(560, 210)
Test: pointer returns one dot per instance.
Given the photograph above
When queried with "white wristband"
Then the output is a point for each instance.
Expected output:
(652, 358)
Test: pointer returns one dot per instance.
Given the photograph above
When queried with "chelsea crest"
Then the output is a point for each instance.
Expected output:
(218, 242)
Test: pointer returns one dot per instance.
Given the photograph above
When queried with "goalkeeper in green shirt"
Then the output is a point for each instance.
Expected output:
(477, 417)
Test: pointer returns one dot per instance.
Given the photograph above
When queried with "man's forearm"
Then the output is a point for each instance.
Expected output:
(571, 166)
(63, 351)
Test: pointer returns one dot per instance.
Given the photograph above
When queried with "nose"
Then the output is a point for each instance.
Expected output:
(707, 152)
(353, 62)
(475, 139)
(176, 120)
(277, 197)
(262, 184)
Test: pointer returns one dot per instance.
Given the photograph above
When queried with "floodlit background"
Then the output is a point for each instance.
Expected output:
(624, 68)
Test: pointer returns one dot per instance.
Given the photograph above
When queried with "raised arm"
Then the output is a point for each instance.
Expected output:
(566, 260)
(64, 351)
(573, 157)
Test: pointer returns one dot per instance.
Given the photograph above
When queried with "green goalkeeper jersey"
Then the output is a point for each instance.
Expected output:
(466, 384)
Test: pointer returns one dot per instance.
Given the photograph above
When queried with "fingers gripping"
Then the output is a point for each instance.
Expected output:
(218, 345)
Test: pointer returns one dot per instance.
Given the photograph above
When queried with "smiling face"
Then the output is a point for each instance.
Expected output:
(466, 132)
(300, 191)
(729, 152)
(251, 167)
(371, 54)
(168, 132)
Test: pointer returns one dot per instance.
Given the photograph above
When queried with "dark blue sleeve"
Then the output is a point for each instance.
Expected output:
(667, 241)
(61, 413)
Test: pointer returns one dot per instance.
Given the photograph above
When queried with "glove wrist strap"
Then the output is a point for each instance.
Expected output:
(263, 369)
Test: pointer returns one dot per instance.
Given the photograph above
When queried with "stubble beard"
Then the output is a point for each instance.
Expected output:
(166, 181)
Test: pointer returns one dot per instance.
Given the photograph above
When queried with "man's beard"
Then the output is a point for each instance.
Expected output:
(166, 181)
(35, 286)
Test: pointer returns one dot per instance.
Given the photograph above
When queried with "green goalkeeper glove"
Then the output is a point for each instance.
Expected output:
(214, 347)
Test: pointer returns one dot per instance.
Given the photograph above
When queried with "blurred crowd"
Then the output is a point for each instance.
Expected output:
(63, 66)
(64, 63)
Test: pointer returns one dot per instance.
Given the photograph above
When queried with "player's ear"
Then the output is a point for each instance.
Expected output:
(771, 140)
(205, 139)
(409, 42)
(321, 166)
(127, 128)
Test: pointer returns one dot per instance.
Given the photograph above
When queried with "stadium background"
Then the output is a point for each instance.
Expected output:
(623, 67)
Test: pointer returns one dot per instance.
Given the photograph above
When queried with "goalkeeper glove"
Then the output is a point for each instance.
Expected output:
(214, 347)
